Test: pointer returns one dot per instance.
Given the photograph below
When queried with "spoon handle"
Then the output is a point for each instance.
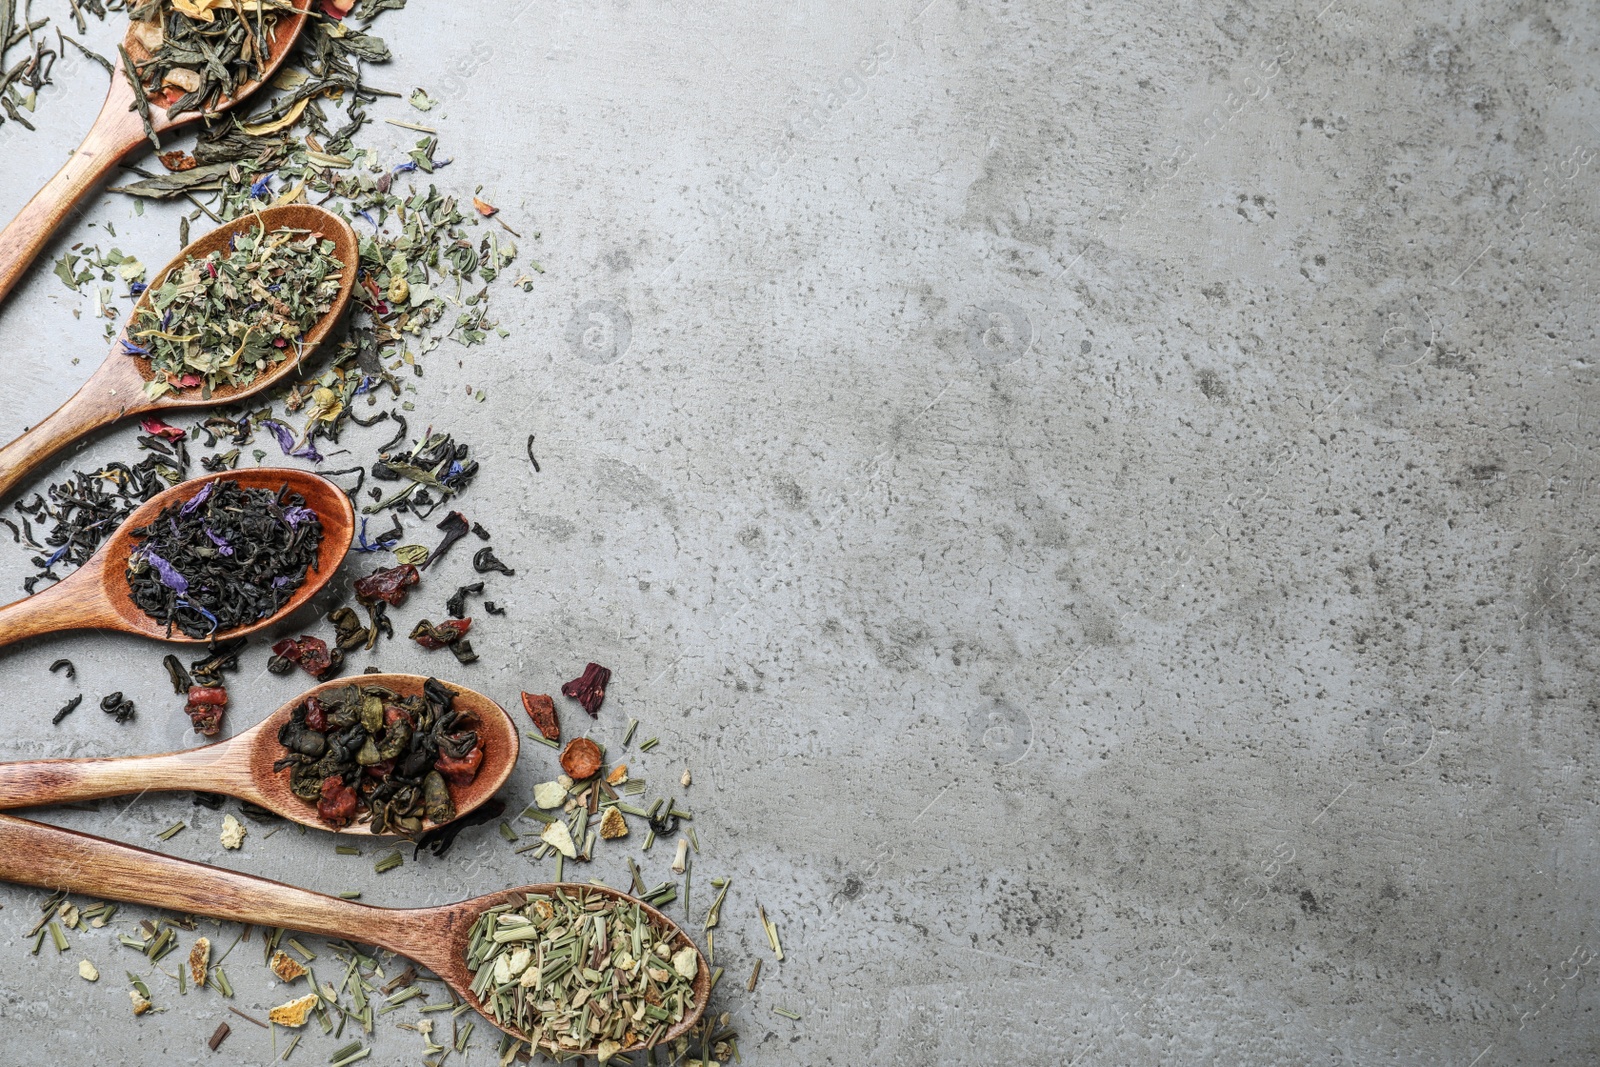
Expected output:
(51, 858)
(115, 132)
(72, 604)
(109, 394)
(28, 783)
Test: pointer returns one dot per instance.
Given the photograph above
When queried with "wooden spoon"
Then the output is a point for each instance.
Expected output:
(95, 596)
(50, 858)
(242, 765)
(116, 132)
(115, 390)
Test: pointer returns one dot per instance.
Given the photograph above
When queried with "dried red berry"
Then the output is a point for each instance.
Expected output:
(205, 707)
(460, 771)
(388, 585)
(316, 715)
(580, 759)
(337, 805)
(308, 653)
(542, 710)
(589, 688)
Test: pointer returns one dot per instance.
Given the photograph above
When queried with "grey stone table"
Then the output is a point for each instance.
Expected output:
(1101, 496)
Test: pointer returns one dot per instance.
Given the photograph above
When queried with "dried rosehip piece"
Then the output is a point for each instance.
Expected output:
(337, 805)
(205, 706)
(580, 759)
(589, 688)
(310, 654)
(542, 710)
(388, 585)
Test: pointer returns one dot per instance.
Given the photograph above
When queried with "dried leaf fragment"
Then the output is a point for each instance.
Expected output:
(295, 1012)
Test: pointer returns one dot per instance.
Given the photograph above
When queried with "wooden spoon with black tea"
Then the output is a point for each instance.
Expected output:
(116, 389)
(50, 858)
(242, 765)
(96, 597)
(117, 131)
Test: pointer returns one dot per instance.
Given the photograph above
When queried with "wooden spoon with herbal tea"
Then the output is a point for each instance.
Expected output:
(96, 596)
(242, 766)
(129, 117)
(438, 938)
(122, 385)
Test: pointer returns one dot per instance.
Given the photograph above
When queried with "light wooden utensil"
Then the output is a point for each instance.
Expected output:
(116, 132)
(95, 596)
(242, 765)
(116, 389)
(50, 858)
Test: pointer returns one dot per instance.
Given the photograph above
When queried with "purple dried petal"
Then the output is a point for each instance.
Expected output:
(285, 438)
(280, 581)
(131, 349)
(222, 546)
(295, 516)
(199, 498)
(169, 574)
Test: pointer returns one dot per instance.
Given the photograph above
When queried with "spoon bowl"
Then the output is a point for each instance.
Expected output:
(116, 132)
(51, 858)
(96, 596)
(116, 389)
(242, 765)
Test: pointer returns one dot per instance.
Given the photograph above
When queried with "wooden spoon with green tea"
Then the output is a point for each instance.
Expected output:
(438, 938)
(117, 131)
(242, 765)
(116, 390)
(96, 596)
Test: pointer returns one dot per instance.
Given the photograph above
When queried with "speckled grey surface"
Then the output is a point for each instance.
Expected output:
(1101, 495)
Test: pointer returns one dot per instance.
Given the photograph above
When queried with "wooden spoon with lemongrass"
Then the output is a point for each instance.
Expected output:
(116, 389)
(117, 131)
(242, 765)
(96, 597)
(55, 859)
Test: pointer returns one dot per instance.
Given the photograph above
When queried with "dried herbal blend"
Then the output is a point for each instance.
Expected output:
(221, 319)
(189, 55)
(579, 970)
(366, 753)
(226, 557)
